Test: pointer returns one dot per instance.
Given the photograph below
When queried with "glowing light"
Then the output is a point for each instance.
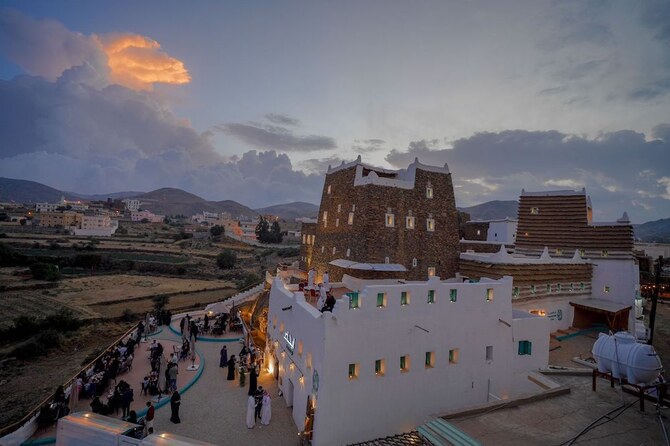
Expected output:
(271, 368)
(291, 367)
(137, 62)
(301, 379)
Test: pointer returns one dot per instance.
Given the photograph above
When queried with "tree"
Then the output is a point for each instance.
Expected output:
(216, 230)
(160, 302)
(144, 220)
(45, 271)
(275, 233)
(227, 259)
(263, 230)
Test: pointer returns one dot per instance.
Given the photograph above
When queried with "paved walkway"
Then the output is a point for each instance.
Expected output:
(214, 409)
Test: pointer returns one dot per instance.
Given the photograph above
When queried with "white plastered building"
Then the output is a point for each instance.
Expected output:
(387, 360)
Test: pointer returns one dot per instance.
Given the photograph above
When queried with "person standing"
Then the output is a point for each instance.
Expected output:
(126, 398)
(310, 278)
(175, 401)
(149, 418)
(173, 371)
(266, 411)
(258, 397)
(326, 280)
(224, 357)
(231, 368)
(253, 381)
(322, 296)
(251, 404)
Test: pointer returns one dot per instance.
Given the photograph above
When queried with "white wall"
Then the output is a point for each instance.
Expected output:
(501, 231)
(557, 310)
(528, 327)
(370, 406)
(623, 279)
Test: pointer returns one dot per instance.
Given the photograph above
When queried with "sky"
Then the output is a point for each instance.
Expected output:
(251, 101)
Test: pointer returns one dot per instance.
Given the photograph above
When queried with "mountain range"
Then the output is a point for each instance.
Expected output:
(171, 201)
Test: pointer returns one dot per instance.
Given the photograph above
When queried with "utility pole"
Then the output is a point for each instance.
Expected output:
(654, 300)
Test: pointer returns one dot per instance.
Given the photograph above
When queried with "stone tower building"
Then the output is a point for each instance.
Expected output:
(380, 223)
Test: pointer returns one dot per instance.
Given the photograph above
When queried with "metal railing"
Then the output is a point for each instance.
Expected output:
(5, 430)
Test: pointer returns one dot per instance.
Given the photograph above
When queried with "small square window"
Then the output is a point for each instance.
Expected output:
(489, 294)
(390, 220)
(525, 347)
(415, 262)
(404, 363)
(353, 300)
(409, 222)
(431, 271)
(350, 220)
(453, 356)
(404, 298)
(430, 225)
(353, 371)
(559, 252)
(606, 289)
(533, 289)
(353, 208)
(548, 288)
(430, 360)
(431, 296)
(489, 353)
(534, 211)
(582, 286)
(380, 367)
(582, 252)
(453, 295)
(381, 300)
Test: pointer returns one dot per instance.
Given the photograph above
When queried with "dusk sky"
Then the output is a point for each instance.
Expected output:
(251, 100)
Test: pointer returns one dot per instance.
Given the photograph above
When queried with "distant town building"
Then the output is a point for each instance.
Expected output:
(502, 231)
(148, 215)
(131, 204)
(95, 225)
(64, 219)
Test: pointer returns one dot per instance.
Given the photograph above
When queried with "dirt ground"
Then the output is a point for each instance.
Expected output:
(93, 290)
(662, 330)
(24, 384)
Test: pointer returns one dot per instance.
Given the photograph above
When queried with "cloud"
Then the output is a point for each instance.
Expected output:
(277, 118)
(320, 165)
(614, 167)
(137, 62)
(368, 145)
(274, 137)
(46, 48)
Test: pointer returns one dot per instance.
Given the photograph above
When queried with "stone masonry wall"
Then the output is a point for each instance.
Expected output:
(368, 240)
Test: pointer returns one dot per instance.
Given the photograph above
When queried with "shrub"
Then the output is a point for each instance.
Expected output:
(45, 271)
(216, 230)
(227, 259)
(127, 315)
(29, 349)
(160, 302)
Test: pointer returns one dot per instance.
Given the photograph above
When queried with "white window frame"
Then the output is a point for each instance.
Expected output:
(430, 224)
(350, 220)
(389, 220)
(431, 271)
(410, 222)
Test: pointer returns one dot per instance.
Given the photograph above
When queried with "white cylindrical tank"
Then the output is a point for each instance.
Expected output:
(624, 357)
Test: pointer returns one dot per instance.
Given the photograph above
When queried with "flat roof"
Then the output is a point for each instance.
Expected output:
(349, 264)
(100, 422)
(601, 305)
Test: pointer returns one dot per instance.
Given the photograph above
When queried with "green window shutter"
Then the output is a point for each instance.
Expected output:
(453, 295)
(403, 298)
(521, 348)
(529, 346)
(353, 300)
(402, 363)
(431, 296)
(378, 366)
(380, 299)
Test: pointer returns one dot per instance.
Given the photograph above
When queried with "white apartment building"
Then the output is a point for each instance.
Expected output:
(95, 225)
(46, 207)
(131, 204)
(393, 354)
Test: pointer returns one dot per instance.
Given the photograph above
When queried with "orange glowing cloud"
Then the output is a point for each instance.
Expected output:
(137, 62)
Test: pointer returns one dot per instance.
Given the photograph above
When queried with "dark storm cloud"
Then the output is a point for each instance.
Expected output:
(280, 119)
(651, 91)
(621, 170)
(368, 145)
(655, 14)
(274, 137)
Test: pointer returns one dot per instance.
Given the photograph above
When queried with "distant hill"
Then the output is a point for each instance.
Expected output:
(653, 231)
(290, 211)
(24, 191)
(492, 210)
(104, 197)
(171, 201)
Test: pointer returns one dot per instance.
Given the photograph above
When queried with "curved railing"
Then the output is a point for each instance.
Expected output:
(32, 415)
